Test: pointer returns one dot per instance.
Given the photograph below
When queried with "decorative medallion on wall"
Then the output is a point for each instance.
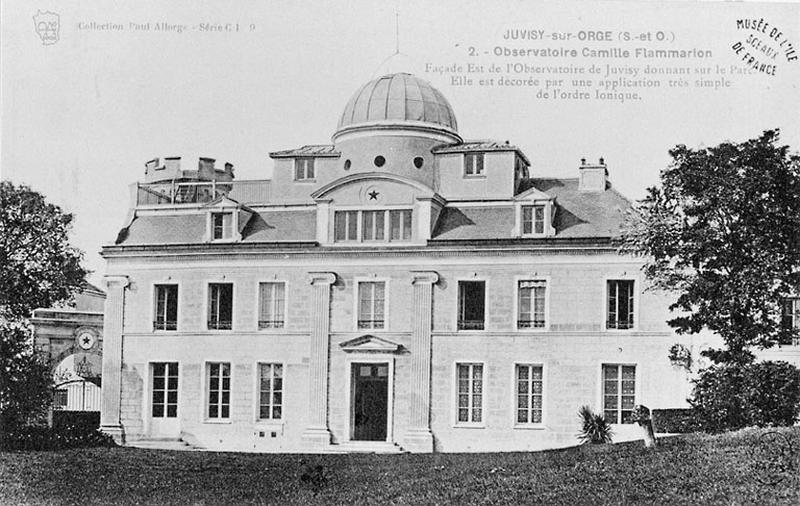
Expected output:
(371, 194)
(86, 340)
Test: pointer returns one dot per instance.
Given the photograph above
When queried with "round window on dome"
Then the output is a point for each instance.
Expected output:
(418, 162)
(379, 161)
(347, 164)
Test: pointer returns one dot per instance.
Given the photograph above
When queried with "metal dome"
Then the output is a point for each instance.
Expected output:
(398, 98)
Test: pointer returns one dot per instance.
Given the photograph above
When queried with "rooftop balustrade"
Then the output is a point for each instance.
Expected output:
(172, 193)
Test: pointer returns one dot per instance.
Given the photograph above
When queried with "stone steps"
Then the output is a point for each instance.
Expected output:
(367, 447)
(162, 444)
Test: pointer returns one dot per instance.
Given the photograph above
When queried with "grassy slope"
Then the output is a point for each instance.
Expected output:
(693, 469)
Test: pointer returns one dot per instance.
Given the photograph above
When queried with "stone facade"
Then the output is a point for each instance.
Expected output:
(400, 287)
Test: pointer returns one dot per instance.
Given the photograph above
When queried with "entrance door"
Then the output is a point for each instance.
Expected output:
(370, 401)
(164, 400)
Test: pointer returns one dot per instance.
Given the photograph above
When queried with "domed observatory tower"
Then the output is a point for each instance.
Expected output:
(392, 124)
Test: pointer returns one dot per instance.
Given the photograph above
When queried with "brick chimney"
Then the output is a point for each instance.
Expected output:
(205, 169)
(592, 177)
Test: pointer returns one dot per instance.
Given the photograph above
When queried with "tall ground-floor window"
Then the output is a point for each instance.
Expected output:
(270, 404)
(219, 390)
(619, 392)
(165, 390)
(469, 388)
(529, 393)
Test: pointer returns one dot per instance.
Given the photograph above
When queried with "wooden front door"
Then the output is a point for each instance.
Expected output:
(370, 401)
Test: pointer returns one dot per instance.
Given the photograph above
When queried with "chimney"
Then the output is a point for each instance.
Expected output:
(205, 168)
(229, 170)
(150, 166)
(593, 177)
(172, 164)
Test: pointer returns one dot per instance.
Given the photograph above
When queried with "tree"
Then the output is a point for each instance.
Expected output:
(38, 268)
(723, 231)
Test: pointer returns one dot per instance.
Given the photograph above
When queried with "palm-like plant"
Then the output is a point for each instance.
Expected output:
(595, 429)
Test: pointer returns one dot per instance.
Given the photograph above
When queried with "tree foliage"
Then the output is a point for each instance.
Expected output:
(733, 396)
(38, 268)
(723, 231)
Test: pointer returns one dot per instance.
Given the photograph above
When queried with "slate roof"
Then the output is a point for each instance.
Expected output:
(266, 226)
(317, 150)
(479, 145)
(579, 215)
(584, 214)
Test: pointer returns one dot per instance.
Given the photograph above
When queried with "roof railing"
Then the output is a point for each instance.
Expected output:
(171, 192)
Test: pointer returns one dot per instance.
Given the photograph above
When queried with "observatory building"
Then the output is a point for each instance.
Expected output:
(398, 289)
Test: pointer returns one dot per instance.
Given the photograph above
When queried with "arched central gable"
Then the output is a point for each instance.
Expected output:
(373, 189)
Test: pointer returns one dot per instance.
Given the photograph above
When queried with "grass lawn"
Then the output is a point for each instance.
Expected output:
(691, 469)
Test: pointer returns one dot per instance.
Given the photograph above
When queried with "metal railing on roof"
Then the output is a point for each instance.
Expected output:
(168, 193)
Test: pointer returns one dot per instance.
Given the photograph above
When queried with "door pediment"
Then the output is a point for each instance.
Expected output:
(370, 344)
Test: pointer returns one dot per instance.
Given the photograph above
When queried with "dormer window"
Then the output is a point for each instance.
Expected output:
(221, 226)
(473, 164)
(304, 169)
(533, 220)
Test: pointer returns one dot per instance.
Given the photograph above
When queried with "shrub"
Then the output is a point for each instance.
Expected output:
(729, 397)
(57, 438)
(675, 421)
(594, 429)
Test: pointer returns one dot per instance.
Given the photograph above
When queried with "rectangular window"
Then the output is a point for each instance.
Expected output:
(620, 304)
(165, 390)
(219, 390)
(471, 305)
(270, 404)
(791, 319)
(473, 164)
(303, 169)
(373, 226)
(271, 305)
(400, 225)
(469, 405)
(61, 399)
(529, 393)
(371, 304)
(619, 392)
(220, 306)
(791, 313)
(166, 310)
(345, 226)
(221, 225)
(533, 220)
(531, 304)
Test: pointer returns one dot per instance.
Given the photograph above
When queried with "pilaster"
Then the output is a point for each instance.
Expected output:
(317, 433)
(418, 437)
(112, 356)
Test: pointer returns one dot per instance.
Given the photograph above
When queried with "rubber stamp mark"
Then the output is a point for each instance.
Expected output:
(47, 25)
(772, 458)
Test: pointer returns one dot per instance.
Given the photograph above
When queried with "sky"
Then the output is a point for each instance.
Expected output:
(82, 115)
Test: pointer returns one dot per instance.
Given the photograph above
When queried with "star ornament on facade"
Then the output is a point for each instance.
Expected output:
(373, 195)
